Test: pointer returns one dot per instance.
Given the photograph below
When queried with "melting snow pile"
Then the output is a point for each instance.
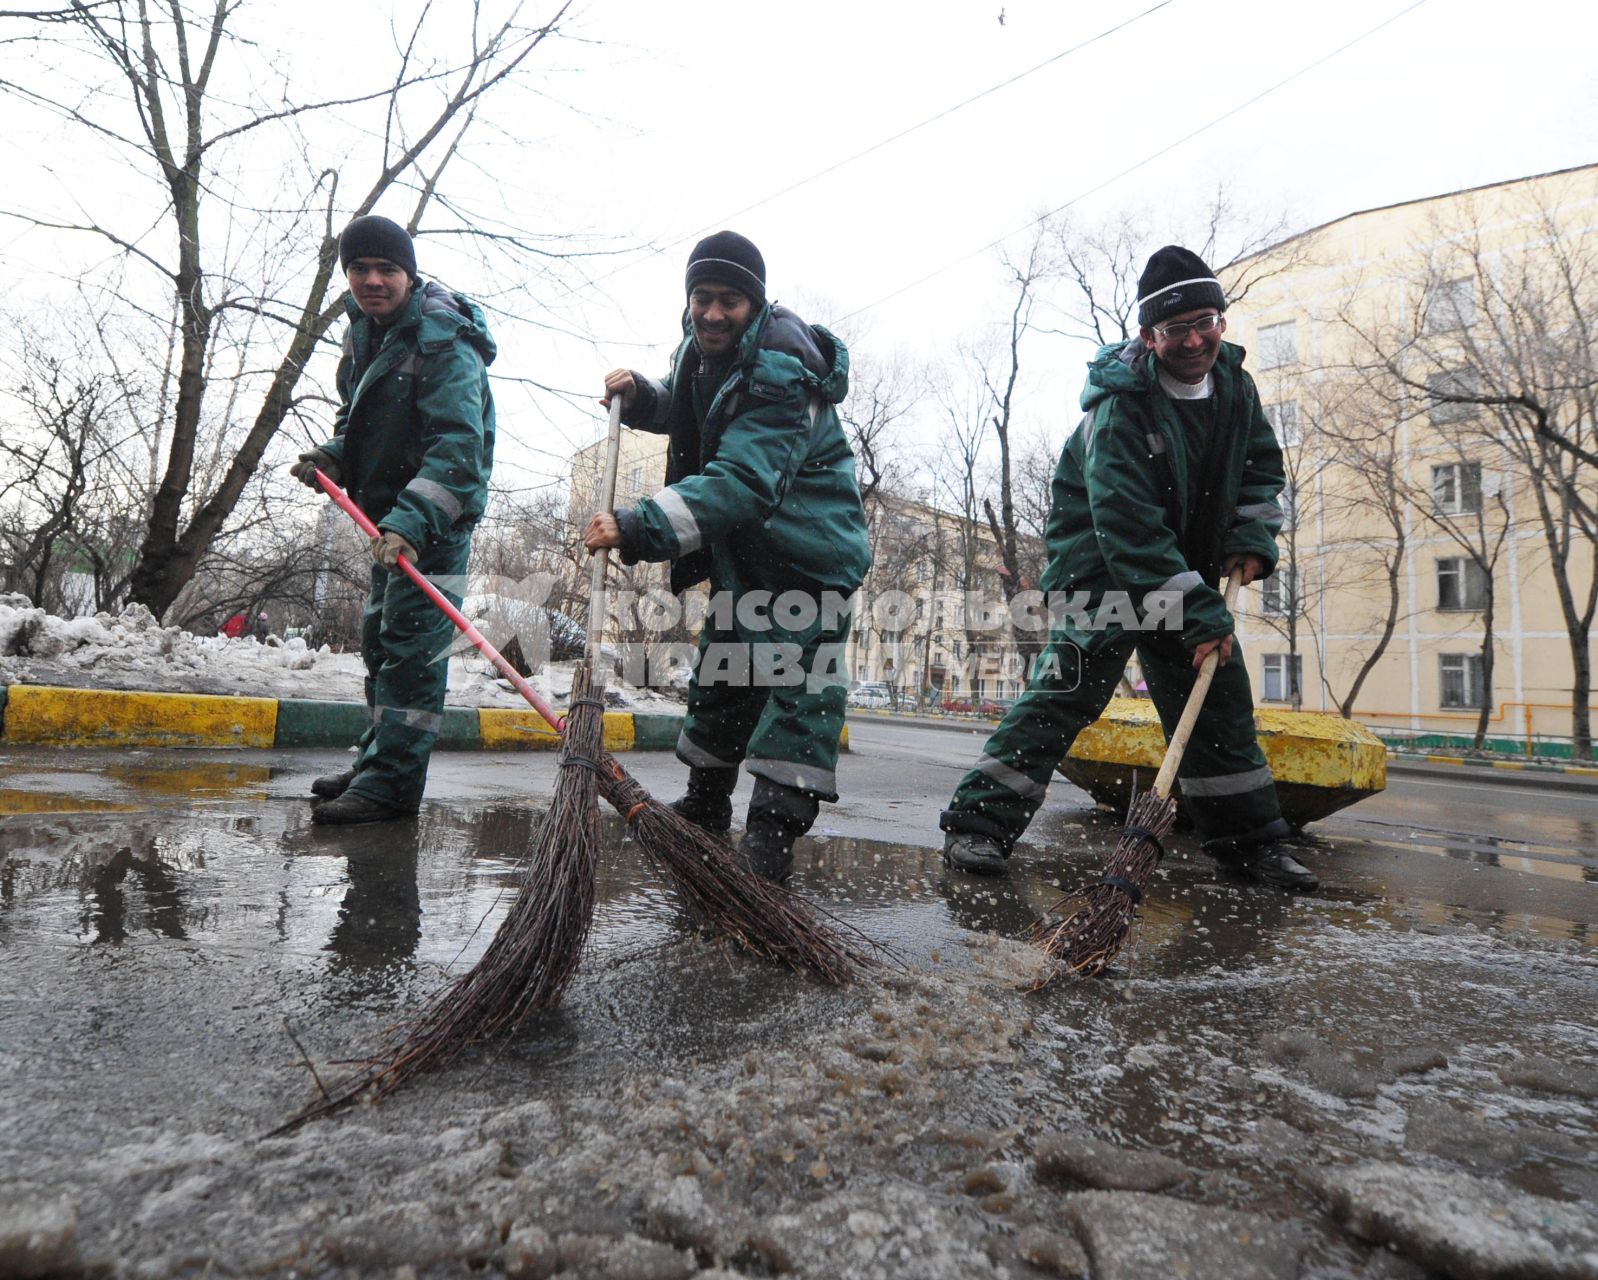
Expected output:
(132, 650)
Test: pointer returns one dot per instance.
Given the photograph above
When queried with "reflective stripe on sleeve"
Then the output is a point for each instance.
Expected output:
(1183, 582)
(681, 520)
(439, 496)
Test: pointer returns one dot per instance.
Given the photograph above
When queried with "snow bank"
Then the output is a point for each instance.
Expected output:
(132, 650)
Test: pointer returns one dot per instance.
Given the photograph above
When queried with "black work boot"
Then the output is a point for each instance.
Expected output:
(976, 854)
(330, 786)
(778, 816)
(708, 801)
(352, 808)
(1269, 863)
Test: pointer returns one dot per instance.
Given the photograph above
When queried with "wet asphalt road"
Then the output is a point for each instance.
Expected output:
(165, 916)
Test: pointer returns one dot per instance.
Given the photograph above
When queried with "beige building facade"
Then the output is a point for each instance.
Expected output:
(1406, 356)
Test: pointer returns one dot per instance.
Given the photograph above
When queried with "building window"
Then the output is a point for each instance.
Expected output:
(1276, 593)
(1451, 305)
(1461, 680)
(1456, 488)
(1278, 345)
(1454, 382)
(1284, 417)
(1283, 676)
(1461, 583)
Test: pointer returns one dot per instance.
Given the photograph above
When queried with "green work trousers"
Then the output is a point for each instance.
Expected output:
(405, 643)
(1226, 785)
(770, 697)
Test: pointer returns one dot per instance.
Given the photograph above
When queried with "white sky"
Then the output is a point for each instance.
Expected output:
(662, 121)
(702, 110)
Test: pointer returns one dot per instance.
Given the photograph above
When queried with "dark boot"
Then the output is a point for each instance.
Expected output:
(1265, 863)
(778, 816)
(977, 854)
(708, 801)
(330, 786)
(352, 807)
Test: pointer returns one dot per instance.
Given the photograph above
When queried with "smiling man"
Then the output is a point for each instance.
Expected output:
(413, 443)
(761, 497)
(1170, 481)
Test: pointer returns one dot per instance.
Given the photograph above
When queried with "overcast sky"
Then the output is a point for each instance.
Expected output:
(700, 111)
(661, 121)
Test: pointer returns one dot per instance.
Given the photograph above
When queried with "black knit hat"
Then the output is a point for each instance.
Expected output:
(730, 259)
(375, 237)
(1176, 280)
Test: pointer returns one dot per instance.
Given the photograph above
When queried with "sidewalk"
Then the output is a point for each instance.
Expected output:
(1507, 771)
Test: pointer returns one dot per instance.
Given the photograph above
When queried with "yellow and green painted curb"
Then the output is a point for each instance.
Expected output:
(43, 715)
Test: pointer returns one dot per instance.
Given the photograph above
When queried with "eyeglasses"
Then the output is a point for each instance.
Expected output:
(1178, 332)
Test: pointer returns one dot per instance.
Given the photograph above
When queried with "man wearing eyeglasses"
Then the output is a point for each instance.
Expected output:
(1171, 480)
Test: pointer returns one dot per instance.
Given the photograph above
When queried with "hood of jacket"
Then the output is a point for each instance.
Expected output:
(438, 316)
(819, 357)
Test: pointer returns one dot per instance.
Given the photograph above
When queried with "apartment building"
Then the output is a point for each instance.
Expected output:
(1422, 364)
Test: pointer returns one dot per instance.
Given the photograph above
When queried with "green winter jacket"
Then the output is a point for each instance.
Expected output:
(414, 433)
(1125, 510)
(768, 485)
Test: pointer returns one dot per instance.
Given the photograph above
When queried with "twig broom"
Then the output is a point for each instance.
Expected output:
(1100, 917)
(536, 950)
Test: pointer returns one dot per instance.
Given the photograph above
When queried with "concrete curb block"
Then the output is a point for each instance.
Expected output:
(1497, 769)
(46, 716)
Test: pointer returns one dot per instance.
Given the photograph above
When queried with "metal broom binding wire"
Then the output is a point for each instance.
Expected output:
(1101, 917)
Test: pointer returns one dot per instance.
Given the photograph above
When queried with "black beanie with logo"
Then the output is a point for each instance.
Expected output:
(1176, 280)
(377, 237)
(730, 259)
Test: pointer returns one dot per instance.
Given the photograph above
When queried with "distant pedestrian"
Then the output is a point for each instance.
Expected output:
(413, 443)
(236, 626)
(1171, 479)
(263, 627)
(761, 497)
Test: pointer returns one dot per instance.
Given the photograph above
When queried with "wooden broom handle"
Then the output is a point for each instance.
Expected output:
(1195, 702)
(601, 559)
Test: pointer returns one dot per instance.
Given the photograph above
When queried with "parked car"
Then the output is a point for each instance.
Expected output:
(995, 708)
(872, 696)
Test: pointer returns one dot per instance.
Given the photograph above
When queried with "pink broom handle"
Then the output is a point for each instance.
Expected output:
(557, 723)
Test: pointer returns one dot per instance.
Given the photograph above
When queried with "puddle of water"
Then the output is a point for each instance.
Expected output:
(152, 958)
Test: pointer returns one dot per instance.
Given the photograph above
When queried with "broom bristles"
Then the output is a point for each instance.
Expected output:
(1098, 920)
(760, 917)
(534, 953)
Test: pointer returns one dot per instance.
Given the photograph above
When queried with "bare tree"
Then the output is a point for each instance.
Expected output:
(62, 452)
(1365, 518)
(1498, 347)
(1100, 264)
(249, 269)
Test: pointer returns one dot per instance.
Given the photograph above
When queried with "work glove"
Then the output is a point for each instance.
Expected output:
(388, 547)
(312, 461)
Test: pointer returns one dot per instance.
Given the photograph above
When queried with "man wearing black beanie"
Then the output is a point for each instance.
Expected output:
(761, 497)
(1170, 482)
(413, 443)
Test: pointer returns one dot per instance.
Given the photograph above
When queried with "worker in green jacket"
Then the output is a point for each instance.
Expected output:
(413, 443)
(1170, 481)
(761, 497)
